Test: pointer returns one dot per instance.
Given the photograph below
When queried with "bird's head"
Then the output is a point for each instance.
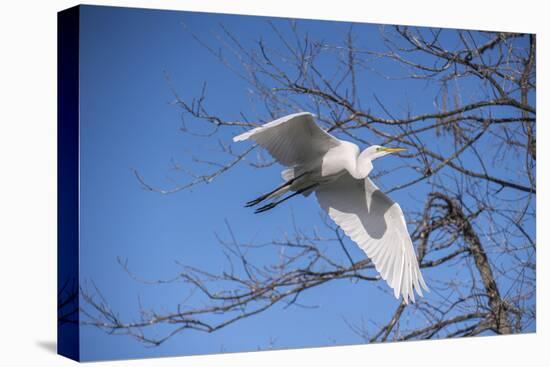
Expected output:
(377, 151)
(364, 161)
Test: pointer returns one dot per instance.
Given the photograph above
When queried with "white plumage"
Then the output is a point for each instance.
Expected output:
(338, 173)
(293, 139)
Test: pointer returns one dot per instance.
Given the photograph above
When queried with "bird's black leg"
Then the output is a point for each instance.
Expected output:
(265, 196)
(275, 203)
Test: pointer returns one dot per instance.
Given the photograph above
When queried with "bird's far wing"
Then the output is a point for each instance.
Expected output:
(292, 139)
(377, 224)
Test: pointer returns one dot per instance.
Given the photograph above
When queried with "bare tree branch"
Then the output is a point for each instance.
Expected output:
(471, 165)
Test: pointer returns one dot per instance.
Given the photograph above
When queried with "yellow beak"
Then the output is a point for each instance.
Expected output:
(393, 150)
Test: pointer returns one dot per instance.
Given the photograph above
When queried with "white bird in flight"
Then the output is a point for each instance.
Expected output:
(338, 174)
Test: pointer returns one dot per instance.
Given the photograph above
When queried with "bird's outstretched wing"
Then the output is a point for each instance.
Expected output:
(376, 223)
(293, 139)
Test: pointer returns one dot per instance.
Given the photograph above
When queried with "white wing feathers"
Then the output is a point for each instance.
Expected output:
(292, 140)
(365, 214)
(376, 223)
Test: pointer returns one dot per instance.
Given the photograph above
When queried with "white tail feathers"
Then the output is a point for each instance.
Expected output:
(288, 174)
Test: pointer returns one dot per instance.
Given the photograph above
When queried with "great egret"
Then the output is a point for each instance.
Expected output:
(338, 173)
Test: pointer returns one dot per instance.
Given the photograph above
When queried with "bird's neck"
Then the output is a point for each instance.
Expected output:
(363, 165)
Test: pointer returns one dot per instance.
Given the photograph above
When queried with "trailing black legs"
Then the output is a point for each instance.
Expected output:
(275, 203)
(265, 196)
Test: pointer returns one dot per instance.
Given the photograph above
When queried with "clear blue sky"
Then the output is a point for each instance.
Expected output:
(127, 122)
